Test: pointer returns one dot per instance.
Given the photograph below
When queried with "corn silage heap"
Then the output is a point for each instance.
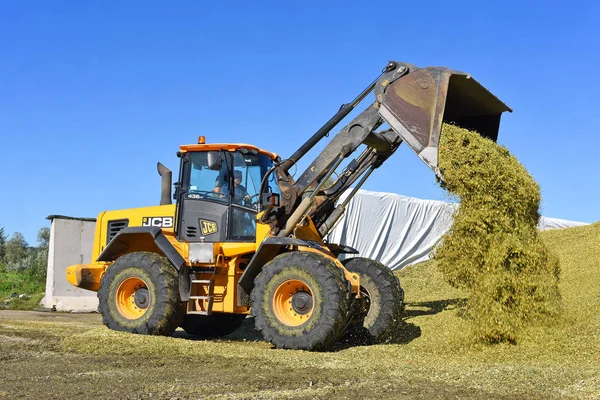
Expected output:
(493, 249)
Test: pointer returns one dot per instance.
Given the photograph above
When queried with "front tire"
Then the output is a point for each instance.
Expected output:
(378, 313)
(140, 294)
(300, 301)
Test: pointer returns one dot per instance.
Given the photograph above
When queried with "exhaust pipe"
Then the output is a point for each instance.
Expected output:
(165, 188)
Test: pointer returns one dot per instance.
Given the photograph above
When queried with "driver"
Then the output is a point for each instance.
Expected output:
(240, 193)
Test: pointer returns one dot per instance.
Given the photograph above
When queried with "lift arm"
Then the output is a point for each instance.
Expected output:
(414, 102)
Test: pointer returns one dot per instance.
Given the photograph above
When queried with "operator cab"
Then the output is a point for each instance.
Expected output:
(218, 191)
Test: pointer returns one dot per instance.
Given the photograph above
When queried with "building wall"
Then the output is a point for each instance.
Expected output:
(71, 243)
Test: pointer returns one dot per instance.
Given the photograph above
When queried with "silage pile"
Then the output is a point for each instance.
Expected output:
(493, 249)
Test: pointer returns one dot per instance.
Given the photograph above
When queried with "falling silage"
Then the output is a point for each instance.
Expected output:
(493, 249)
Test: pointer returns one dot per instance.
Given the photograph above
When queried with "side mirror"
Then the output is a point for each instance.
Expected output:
(271, 200)
(214, 160)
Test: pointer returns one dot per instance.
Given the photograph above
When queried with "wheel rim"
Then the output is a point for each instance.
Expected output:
(132, 298)
(365, 303)
(293, 302)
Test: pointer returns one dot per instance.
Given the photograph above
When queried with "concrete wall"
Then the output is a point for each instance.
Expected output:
(71, 241)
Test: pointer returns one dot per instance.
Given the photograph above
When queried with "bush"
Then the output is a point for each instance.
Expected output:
(17, 282)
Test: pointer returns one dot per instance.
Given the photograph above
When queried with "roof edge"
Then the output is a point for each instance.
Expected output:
(55, 216)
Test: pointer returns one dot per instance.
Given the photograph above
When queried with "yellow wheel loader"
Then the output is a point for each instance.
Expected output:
(245, 237)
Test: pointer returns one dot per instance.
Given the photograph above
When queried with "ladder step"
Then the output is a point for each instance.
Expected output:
(202, 281)
(201, 297)
(209, 297)
(199, 312)
(206, 269)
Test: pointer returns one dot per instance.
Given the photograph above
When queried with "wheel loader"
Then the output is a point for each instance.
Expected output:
(245, 236)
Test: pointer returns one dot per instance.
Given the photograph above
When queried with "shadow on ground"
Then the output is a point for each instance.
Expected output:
(245, 333)
(405, 333)
(417, 309)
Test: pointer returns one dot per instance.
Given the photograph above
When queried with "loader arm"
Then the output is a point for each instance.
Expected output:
(414, 102)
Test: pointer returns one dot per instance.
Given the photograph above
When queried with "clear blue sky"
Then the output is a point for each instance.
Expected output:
(94, 93)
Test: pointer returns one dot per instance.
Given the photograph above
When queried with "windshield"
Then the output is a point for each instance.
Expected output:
(249, 170)
(232, 179)
(203, 182)
(244, 178)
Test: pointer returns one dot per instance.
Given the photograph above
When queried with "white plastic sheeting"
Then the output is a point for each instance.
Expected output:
(547, 223)
(398, 230)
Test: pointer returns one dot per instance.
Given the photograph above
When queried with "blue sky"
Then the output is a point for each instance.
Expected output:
(94, 93)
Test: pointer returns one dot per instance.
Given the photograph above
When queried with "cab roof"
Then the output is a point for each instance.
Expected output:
(186, 148)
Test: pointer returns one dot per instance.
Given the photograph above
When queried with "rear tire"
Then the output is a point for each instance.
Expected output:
(140, 294)
(378, 314)
(300, 301)
(213, 325)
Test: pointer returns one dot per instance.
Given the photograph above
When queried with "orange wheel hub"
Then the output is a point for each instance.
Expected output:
(132, 298)
(293, 302)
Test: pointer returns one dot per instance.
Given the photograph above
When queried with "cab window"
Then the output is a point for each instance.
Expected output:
(205, 183)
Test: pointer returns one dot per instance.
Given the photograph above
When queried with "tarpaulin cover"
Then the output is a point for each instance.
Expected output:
(398, 230)
(547, 223)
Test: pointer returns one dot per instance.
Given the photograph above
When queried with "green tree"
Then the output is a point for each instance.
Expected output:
(16, 252)
(2, 249)
(43, 237)
(2, 245)
(38, 256)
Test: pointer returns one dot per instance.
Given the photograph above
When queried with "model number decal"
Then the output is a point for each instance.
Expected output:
(208, 227)
(161, 222)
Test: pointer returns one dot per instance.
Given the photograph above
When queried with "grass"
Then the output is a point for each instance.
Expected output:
(21, 283)
(11, 282)
(29, 303)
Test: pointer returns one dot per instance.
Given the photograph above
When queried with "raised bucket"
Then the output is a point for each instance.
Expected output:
(417, 104)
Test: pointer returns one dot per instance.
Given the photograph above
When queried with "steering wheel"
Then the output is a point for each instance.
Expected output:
(250, 202)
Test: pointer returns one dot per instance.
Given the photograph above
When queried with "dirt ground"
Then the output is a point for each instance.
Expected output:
(73, 356)
(37, 364)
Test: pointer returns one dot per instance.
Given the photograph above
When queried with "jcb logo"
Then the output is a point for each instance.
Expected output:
(208, 227)
(161, 222)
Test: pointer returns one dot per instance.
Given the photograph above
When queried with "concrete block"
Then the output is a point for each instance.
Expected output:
(71, 241)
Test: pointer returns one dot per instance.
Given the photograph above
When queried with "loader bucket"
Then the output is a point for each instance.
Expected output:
(417, 104)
